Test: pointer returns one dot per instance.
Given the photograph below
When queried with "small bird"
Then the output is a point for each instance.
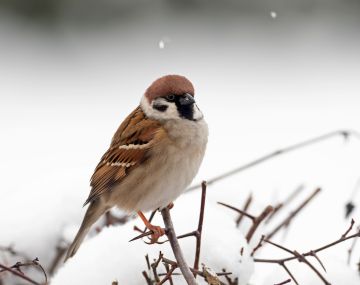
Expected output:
(153, 156)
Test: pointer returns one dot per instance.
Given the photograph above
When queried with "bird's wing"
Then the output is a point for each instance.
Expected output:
(129, 148)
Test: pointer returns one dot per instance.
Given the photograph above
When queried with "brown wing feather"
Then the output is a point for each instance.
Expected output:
(139, 132)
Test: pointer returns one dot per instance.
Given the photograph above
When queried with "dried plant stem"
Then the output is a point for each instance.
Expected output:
(343, 133)
(287, 201)
(293, 214)
(198, 272)
(302, 257)
(356, 235)
(199, 229)
(17, 273)
(284, 282)
(245, 208)
(256, 221)
(189, 277)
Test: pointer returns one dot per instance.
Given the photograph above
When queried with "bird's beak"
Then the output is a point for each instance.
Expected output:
(186, 100)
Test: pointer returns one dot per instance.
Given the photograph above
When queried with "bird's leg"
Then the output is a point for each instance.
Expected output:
(157, 231)
(170, 206)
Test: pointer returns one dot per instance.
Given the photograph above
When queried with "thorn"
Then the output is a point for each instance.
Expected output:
(141, 236)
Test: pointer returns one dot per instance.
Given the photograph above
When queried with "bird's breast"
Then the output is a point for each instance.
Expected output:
(176, 162)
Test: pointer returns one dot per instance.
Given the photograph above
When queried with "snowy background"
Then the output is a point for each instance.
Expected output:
(266, 75)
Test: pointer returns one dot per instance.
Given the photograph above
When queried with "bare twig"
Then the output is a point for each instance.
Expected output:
(256, 221)
(344, 133)
(258, 245)
(229, 280)
(284, 282)
(287, 201)
(189, 277)
(168, 275)
(282, 264)
(147, 262)
(349, 229)
(356, 235)
(318, 259)
(302, 257)
(199, 228)
(34, 263)
(37, 263)
(155, 265)
(198, 272)
(18, 274)
(251, 217)
(245, 208)
(292, 215)
(147, 278)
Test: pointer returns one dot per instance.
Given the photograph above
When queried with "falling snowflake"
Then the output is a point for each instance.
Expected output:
(273, 14)
(163, 42)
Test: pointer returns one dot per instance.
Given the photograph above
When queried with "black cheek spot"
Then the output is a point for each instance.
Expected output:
(161, 108)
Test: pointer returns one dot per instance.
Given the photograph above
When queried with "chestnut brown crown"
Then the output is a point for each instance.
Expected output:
(169, 84)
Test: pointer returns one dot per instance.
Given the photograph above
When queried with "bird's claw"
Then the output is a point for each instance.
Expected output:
(157, 232)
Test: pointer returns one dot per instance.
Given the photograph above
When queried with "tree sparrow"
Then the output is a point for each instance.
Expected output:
(152, 158)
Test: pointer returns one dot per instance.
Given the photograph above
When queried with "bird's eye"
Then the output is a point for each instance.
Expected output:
(170, 97)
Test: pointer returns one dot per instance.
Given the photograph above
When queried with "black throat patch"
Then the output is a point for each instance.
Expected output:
(186, 111)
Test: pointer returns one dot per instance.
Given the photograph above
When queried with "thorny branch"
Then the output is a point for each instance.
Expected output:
(198, 232)
(245, 208)
(170, 267)
(287, 201)
(344, 133)
(201, 273)
(16, 270)
(188, 276)
(256, 221)
(293, 214)
(302, 257)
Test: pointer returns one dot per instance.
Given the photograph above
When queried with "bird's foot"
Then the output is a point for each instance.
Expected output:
(157, 232)
(170, 206)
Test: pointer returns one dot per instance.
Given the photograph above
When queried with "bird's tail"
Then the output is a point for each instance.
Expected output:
(93, 213)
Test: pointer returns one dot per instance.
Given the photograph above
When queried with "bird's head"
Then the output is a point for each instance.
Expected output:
(171, 97)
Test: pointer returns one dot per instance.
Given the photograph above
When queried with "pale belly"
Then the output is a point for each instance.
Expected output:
(162, 179)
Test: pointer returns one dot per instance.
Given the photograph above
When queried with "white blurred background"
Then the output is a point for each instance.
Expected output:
(266, 74)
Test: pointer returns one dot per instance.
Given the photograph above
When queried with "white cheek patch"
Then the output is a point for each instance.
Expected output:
(170, 113)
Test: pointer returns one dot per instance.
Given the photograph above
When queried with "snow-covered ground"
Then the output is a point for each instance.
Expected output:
(262, 82)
